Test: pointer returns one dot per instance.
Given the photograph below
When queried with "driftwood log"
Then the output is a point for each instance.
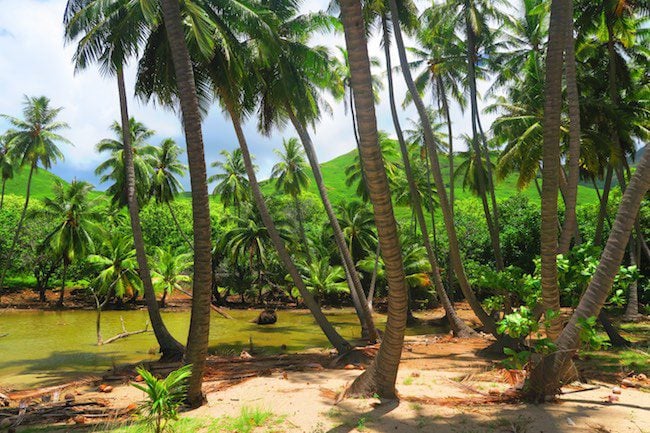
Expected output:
(124, 333)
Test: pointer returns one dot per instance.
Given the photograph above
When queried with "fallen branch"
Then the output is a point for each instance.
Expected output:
(125, 333)
(4, 335)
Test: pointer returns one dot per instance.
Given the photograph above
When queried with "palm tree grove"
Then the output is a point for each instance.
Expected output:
(267, 216)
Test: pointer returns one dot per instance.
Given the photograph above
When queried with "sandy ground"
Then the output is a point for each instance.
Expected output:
(440, 383)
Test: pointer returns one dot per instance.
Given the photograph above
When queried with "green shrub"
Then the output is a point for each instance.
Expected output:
(164, 396)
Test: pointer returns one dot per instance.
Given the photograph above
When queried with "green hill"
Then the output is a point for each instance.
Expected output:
(334, 176)
(42, 181)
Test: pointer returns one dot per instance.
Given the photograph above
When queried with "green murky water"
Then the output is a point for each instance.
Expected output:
(46, 347)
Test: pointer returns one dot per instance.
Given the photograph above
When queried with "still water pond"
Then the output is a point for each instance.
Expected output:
(45, 347)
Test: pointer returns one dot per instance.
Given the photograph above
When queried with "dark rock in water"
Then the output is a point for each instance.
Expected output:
(266, 317)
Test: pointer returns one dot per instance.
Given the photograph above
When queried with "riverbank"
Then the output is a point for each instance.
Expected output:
(446, 385)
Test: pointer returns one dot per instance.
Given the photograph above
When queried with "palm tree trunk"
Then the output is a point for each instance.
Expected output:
(169, 347)
(2, 198)
(301, 227)
(600, 203)
(551, 163)
(491, 190)
(63, 276)
(615, 338)
(380, 377)
(19, 228)
(458, 327)
(547, 375)
(339, 343)
(442, 96)
(570, 218)
(373, 277)
(366, 319)
(178, 227)
(454, 251)
(602, 212)
(197, 340)
(632, 308)
(484, 189)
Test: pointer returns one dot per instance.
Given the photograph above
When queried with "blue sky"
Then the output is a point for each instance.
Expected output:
(34, 61)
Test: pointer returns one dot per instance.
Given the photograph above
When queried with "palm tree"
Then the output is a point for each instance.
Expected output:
(291, 176)
(551, 162)
(547, 376)
(111, 33)
(76, 216)
(6, 167)
(407, 16)
(168, 271)
(33, 142)
(164, 183)
(474, 17)
(570, 228)
(113, 168)
(249, 240)
(357, 223)
(232, 185)
(442, 56)
(290, 89)
(197, 341)
(381, 375)
(429, 139)
(117, 267)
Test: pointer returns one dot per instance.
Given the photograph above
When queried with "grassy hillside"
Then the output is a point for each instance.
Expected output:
(42, 182)
(334, 176)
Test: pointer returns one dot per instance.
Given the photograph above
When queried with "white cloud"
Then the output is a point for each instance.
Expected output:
(34, 61)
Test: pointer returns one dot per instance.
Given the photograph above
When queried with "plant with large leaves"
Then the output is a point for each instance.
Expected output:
(77, 216)
(168, 271)
(110, 33)
(117, 267)
(33, 141)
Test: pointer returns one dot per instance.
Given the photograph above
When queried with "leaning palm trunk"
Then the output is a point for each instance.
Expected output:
(632, 308)
(63, 277)
(198, 337)
(339, 343)
(301, 226)
(602, 210)
(373, 277)
(169, 347)
(547, 375)
(365, 315)
(19, 228)
(380, 377)
(484, 188)
(458, 327)
(2, 197)
(442, 95)
(429, 140)
(569, 230)
(551, 163)
(179, 228)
